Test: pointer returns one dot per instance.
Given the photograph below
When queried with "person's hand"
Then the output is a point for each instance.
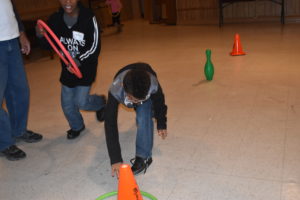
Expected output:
(25, 44)
(77, 62)
(39, 31)
(162, 133)
(115, 169)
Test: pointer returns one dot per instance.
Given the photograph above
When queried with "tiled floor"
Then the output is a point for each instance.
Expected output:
(234, 138)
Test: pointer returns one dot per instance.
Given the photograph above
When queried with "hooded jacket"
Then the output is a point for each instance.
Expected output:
(83, 43)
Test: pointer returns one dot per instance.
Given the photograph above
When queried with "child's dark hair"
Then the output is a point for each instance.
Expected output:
(137, 83)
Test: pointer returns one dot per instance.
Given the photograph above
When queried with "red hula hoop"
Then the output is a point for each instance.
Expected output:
(67, 59)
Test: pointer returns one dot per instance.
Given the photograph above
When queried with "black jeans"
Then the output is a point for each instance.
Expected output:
(116, 18)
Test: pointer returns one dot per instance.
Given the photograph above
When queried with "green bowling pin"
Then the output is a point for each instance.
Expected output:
(209, 67)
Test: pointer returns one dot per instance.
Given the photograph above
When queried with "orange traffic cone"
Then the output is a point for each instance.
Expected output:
(237, 47)
(128, 189)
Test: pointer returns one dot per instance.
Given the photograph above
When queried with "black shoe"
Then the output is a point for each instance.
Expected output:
(13, 153)
(100, 113)
(30, 137)
(74, 134)
(139, 164)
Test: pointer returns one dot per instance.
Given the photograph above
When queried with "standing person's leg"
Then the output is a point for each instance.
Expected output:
(76, 99)
(7, 142)
(6, 138)
(17, 96)
(144, 138)
(88, 102)
(17, 91)
(71, 110)
(114, 19)
(118, 18)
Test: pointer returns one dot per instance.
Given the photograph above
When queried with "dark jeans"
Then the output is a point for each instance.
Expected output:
(15, 91)
(78, 98)
(144, 137)
(116, 18)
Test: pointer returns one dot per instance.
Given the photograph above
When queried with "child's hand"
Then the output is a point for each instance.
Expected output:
(77, 62)
(115, 169)
(162, 133)
(39, 31)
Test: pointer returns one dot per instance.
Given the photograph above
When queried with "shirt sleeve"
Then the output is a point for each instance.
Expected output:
(93, 49)
(111, 129)
(160, 108)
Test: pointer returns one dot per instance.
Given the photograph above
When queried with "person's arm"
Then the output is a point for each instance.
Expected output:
(42, 41)
(93, 44)
(112, 133)
(25, 44)
(160, 112)
(160, 108)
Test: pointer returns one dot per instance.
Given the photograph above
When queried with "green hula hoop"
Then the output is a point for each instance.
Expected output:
(110, 194)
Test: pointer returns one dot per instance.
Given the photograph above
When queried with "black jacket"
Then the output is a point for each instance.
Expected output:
(82, 41)
(116, 95)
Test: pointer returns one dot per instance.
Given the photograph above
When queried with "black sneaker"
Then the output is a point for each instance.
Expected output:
(74, 134)
(30, 137)
(139, 164)
(13, 153)
(100, 113)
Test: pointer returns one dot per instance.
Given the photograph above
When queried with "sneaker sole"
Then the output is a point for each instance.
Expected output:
(27, 141)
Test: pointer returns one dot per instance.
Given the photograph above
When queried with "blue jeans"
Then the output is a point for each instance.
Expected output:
(78, 98)
(15, 91)
(144, 137)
